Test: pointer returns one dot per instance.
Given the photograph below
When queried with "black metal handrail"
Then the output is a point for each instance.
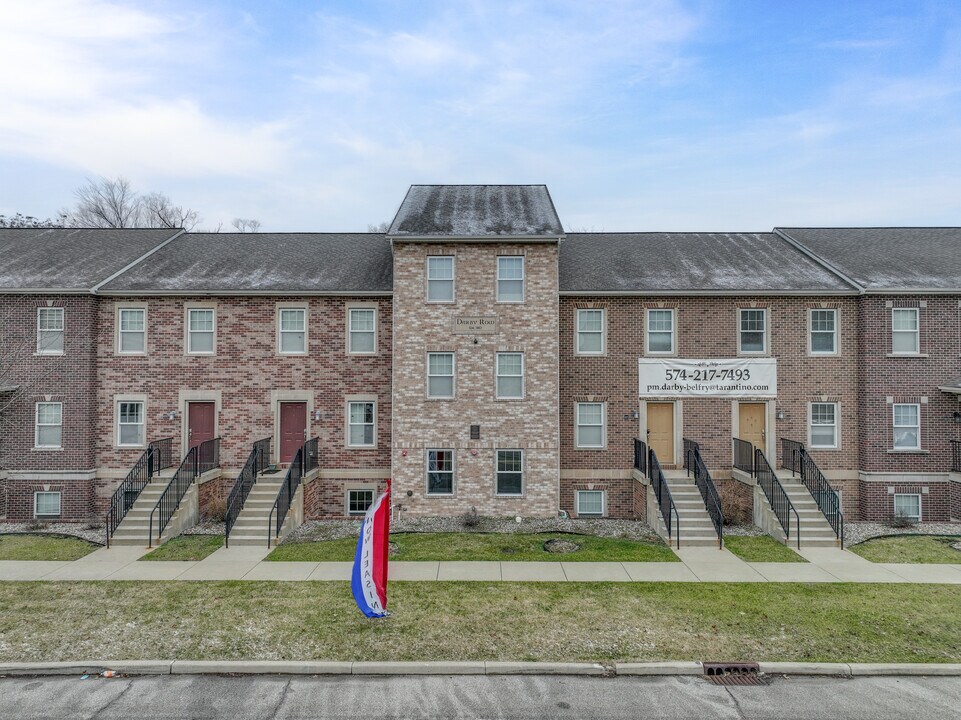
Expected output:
(694, 463)
(285, 496)
(311, 456)
(154, 459)
(776, 496)
(664, 498)
(198, 460)
(256, 463)
(822, 492)
(640, 456)
(791, 455)
(956, 455)
(744, 456)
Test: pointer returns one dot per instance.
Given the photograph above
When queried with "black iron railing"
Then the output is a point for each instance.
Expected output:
(822, 492)
(640, 456)
(695, 465)
(664, 499)
(311, 456)
(256, 463)
(285, 496)
(776, 496)
(744, 456)
(154, 459)
(956, 455)
(198, 460)
(791, 455)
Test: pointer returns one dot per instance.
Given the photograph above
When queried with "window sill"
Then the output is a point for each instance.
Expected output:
(129, 447)
(38, 448)
(48, 354)
(584, 354)
(449, 496)
(906, 355)
(823, 354)
(360, 354)
(510, 495)
(590, 447)
(509, 399)
(908, 451)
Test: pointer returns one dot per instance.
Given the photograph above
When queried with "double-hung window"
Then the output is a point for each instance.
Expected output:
(510, 279)
(440, 472)
(589, 431)
(50, 331)
(590, 503)
(752, 331)
(907, 506)
(130, 424)
(824, 332)
(360, 424)
(201, 326)
(49, 425)
(510, 376)
(907, 426)
(590, 332)
(904, 331)
(131, 331)
(362, 331)
(440, 278)
(510, 472)
(660, 332)
(292, 331)
(440, 375)
(824, 425)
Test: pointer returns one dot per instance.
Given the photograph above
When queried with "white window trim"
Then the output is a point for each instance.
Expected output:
(894, 505)
(199, 306)
(764, 335)
(577, 503)
(59, 495)
(365, 306)
(453, 280)
(497, 280)
(63, 323)
(347, 403)
(837, 335)
(577, 332)
(142, 307)
(647, 332)
(142, 399)
(281, 307)
(837, 425)
(36, 426)
(453, 472)
(348, 491)
(916, 332)
(577, 425)
(452, 376)
(895, 427)
(497, 376)
(497, 473)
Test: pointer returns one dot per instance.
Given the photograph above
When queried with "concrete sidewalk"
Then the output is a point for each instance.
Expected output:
(826, 565)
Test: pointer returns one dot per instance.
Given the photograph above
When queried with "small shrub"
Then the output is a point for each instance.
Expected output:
(36, 526)
(471, 519)
(216, 510)
(902, 521)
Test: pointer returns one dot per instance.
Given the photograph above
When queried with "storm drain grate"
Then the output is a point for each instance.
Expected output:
(734, 673)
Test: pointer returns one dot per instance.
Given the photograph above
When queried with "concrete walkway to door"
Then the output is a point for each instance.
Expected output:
(698, 564)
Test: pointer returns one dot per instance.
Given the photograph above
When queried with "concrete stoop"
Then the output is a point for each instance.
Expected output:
(810, 524)
(693, 523)
(251, 528)
(134, 529)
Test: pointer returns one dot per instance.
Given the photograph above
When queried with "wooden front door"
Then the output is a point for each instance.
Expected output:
(293, 429)
(660, 431)
(200, 422)
(751, 423)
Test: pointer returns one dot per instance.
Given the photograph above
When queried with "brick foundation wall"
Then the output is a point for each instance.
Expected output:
(213, 495)
(625, 498)
(878, 504)
(737, 501)
(326, 498)
(956, 500)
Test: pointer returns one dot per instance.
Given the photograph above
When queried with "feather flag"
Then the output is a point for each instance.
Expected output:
(368, 580)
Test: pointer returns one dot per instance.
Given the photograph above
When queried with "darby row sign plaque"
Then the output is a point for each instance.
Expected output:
(485, 325)
(736, 377)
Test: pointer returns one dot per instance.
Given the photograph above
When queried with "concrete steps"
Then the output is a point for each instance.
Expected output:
(694, 524)
(134, 529)
(815, 531)
(251, 526)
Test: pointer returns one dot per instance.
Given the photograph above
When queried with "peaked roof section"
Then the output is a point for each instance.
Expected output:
(888, 259)
(70, 259)
(263, 263)
(685, 263)
(436, 212)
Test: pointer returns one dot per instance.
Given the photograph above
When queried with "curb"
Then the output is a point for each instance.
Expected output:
(479, 667)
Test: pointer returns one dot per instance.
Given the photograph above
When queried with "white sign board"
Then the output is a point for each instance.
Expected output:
(737, 377)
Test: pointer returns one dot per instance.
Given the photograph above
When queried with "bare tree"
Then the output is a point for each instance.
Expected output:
(113, 203)
(246, 224)
(381, 227)
(159, 211)
(19, 220)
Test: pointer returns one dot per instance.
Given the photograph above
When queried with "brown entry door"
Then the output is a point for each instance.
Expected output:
(293, 429)
(200, 423)
(751, 423)
(660, 431)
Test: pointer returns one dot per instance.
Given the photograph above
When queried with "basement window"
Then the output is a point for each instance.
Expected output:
(908, 506)
(590, 503)
(46, 504)
(359, 501)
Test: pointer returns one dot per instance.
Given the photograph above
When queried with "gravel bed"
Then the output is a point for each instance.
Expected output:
(207, 527)
(858, 532)
(743, 531)
(79, 530)
(338, 529)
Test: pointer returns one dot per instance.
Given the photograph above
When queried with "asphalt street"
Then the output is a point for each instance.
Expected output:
(373, 698)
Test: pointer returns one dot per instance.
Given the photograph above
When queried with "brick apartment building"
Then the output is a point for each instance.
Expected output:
(482, 358)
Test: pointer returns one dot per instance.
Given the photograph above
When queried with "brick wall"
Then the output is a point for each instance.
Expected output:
(877, 502)
(327, 497)
(625, 498)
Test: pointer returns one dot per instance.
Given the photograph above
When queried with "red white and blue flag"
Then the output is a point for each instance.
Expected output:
(368, 581)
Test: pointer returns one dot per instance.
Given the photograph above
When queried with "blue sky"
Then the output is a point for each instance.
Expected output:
(656, 115)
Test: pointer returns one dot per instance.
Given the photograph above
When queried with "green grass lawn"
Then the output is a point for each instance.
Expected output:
(483, 546)
(186, 547)
(909, 549)
(763, 548)
(44, 547)
(842, 622)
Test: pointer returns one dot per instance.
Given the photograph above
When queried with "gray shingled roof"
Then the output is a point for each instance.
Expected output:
(906, 258)
(680, 263)
(476, 211)
(70, 259)
(263, 263)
